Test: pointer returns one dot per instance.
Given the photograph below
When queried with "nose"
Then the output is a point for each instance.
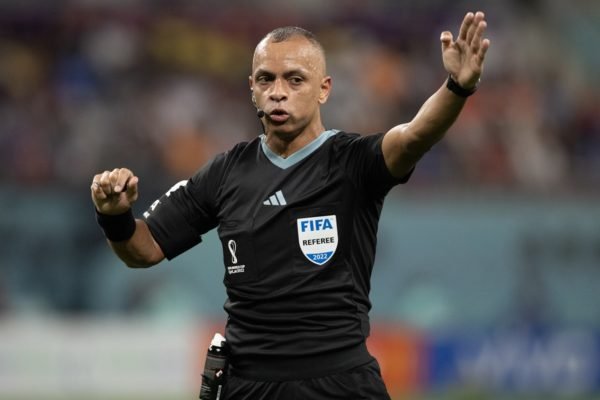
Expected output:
(278, 91)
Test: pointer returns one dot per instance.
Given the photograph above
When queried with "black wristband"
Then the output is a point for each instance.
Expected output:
(117, 227)
(458, 90)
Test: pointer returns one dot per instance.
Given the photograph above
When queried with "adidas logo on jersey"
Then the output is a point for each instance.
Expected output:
(275, 200)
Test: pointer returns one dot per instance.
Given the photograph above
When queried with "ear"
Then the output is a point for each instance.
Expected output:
(326, 85)
(251, 83)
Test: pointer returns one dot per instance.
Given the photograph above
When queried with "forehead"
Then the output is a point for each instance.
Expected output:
(295, 53)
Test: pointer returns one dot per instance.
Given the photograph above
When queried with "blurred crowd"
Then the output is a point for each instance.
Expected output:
(160, 87)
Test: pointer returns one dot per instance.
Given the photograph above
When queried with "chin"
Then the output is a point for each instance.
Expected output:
(285, 134)
(285, 130)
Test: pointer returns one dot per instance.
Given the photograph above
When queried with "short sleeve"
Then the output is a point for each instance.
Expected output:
(179, 217)
(362, 159)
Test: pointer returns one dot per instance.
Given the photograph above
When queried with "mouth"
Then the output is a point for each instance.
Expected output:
(279, 115)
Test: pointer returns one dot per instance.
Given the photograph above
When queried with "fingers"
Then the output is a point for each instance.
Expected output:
(485, 45)
(477, 36)
(132, 189)
(471, 32)
(97, 192)
(474, 26)
(112, 182)
(464, 27)
(479, 46)
(446, 39)
(470, 26)
(104, 183)
(119, 178)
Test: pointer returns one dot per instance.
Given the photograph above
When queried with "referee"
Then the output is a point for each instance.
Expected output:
(297, 210)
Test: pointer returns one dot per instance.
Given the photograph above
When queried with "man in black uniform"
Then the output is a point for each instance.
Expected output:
(297, 211)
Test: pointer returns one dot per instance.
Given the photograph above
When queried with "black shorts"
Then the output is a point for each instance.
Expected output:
(360, 383)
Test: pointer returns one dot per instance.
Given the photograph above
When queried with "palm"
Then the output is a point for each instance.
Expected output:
(462, 63)
(463, 58)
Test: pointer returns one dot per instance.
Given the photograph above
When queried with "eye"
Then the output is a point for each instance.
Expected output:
(262, 79)
(295, 80)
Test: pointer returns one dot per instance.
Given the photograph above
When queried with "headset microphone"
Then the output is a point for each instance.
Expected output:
(260, 113)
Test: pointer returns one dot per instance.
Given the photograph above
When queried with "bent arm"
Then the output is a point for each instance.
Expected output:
(113, 194)
(141, 250)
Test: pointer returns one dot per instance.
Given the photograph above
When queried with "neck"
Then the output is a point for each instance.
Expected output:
(286, 144)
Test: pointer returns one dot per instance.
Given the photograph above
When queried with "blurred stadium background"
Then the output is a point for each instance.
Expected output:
(488, 272)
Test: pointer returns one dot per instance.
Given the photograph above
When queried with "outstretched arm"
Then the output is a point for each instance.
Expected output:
(405, 144)
(113, 193)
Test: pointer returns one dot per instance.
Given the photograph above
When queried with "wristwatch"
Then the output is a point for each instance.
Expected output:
(458, 90)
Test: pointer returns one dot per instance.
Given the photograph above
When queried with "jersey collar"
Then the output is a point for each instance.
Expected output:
(299, 155)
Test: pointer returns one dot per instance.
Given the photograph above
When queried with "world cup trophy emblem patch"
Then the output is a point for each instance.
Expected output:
(318, 238)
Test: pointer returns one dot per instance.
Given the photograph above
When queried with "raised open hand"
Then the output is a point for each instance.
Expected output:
(463, 58)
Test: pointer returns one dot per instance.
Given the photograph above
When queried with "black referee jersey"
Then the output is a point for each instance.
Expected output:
(298, 237)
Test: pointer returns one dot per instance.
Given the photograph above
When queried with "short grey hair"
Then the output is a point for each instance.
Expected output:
(285, 33)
